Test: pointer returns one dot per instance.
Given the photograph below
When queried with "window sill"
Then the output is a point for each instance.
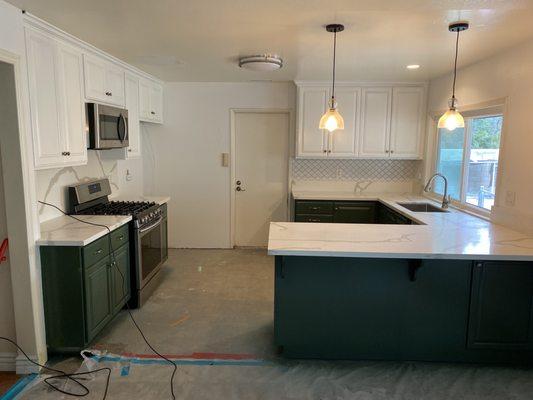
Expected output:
(468, 209)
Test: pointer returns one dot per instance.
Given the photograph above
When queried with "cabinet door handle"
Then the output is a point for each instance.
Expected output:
(152, 112)
(65, 153)
(324, 151)
(108, 93)
(392, 151)
(315, 208)
(121, 237)
(313, 220)
(99, 251)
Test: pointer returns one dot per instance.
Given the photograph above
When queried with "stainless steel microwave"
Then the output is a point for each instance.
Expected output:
(108, 126)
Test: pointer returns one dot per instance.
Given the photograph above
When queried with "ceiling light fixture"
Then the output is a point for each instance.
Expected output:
(452, 119)
(262, 62)
(413, 66)
(332, 120)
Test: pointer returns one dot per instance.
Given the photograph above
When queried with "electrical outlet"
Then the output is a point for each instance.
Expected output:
(510, 198)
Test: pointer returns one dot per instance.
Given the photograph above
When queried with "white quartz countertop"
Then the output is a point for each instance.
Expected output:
(451, 235)
(156, 199)
(66, 231)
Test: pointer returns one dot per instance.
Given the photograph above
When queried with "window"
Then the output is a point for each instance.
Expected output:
(468, 157)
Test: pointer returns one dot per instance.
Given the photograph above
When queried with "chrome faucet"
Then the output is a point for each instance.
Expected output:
(446, 197)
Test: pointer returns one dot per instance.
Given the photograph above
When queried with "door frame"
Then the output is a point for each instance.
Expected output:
(290, 143)
(23, 252)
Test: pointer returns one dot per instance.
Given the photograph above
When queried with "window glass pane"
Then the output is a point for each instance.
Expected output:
(450, 161)
(485, 133)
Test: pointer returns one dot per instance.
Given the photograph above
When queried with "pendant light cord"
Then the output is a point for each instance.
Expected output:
(334, 55)
(455, 68)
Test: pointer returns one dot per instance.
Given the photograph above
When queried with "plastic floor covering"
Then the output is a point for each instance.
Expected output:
(212, 376)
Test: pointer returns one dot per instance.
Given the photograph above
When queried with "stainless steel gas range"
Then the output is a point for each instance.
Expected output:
(148, 232)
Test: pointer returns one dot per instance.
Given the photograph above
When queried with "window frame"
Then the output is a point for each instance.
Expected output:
(492, 110)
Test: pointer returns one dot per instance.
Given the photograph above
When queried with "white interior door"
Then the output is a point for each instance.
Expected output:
(261, 156)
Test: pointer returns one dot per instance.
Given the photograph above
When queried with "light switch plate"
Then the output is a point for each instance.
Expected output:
(510, 198)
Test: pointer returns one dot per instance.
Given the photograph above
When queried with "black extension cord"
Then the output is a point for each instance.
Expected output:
(72, 377)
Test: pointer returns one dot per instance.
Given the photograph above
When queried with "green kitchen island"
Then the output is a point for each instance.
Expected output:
(451, 287)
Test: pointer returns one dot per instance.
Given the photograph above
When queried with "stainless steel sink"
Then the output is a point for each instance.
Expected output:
(422, 207)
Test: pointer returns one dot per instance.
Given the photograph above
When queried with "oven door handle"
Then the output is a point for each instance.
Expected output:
(147, 228)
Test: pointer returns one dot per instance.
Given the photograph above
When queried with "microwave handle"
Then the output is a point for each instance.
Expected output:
(125, 135)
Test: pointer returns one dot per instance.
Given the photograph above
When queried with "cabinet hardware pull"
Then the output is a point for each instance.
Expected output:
(121, 237)
(314, 208)
(392, 151)
(99, 251)
(324, 151)
(152, 112)
(64, 153)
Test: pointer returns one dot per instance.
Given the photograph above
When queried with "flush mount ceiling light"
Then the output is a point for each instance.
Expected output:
(452, 119)
(332, 120)
(262, 62)
(413, 66)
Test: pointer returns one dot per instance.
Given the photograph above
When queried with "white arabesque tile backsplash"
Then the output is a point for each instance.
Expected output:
(355, 170)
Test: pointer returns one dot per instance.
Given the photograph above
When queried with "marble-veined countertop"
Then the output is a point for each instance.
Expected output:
(451, 235)
(66, 231)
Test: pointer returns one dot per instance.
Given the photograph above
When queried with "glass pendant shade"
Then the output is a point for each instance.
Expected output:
(331, 120)
(451, 120)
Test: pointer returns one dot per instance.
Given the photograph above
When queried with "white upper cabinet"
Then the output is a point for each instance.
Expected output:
(375, 122)
(312, 141)
(407, 122)
(104, 81)
(56, 101)
(379, 122)
(150, 101)
(71, 70)
(132, 104)
(344, 143)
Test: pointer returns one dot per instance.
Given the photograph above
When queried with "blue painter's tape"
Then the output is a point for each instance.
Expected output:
(18, 387)
(152, 361)
(125, 371)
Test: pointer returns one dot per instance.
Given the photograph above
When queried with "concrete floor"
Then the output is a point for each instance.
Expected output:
(217, 301)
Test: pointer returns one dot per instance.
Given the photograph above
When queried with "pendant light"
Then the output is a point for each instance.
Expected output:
(452, 119)
(332, 120)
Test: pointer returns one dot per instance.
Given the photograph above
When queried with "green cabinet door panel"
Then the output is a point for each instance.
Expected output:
(97, 297)
(120, 278)
(502, 305)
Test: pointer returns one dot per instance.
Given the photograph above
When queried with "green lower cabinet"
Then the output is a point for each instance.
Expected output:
(97, 297)
(83, 289)
(399, 309)
(501, 315)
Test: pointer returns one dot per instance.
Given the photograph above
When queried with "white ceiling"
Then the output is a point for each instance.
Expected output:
(200, 40)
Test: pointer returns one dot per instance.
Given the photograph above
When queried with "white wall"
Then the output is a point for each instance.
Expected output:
(187, 155)
(510, 75)
(52, 183)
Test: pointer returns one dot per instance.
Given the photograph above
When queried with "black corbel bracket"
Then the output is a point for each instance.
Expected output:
(414, 265)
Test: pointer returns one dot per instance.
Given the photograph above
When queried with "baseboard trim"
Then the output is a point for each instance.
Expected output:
(24, 367)
(8, 362)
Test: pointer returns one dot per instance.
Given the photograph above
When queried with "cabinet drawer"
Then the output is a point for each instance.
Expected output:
(314, 207)
(119, 237)
(313, 218)
(355, 212)
(96, 250)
